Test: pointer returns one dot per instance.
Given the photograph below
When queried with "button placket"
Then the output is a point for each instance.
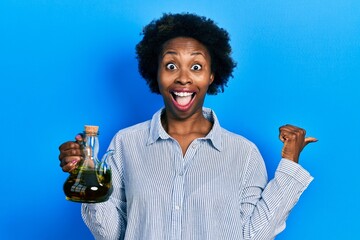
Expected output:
(178, 194)
(181, 165)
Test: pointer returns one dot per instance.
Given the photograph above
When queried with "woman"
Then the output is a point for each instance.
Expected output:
(181, 175)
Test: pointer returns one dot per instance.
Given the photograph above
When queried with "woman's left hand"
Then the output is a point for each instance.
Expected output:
(294, 141)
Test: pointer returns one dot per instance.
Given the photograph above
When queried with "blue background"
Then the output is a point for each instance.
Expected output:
(66, 63)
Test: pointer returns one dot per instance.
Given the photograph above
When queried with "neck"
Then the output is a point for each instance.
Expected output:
(196, 124)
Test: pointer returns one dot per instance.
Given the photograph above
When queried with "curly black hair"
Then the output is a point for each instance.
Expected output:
(204, 30)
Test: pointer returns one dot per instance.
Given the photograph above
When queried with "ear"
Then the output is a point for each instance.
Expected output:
(212, 76)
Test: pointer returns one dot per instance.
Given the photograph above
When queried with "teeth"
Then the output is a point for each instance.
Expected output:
(182, 98)
(182, 94)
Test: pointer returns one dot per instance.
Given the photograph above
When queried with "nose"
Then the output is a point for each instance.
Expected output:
(183, 77)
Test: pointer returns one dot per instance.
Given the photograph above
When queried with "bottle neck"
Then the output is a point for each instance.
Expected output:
(91, 146)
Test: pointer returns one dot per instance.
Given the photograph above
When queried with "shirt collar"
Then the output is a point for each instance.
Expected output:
(157, 131)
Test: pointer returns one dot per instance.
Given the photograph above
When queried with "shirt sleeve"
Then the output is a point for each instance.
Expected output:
(266, 206)
(107, 220)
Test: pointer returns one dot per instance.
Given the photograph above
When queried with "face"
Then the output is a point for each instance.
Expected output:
(184, 76)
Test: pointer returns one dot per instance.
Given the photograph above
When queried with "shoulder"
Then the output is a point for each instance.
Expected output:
(225, 138)
(244, 149)
(236, 139)
(141, 129)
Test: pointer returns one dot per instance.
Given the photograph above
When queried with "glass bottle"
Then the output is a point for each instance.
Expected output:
(90, 181)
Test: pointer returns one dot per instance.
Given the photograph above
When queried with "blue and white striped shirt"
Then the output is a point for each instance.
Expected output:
(218, 190)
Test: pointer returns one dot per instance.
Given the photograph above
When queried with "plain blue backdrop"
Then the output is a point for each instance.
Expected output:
(66, 63)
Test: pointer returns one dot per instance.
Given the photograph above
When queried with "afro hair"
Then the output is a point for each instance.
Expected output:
(204, 30)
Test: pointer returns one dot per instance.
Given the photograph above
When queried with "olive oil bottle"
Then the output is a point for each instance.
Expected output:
(90, 182)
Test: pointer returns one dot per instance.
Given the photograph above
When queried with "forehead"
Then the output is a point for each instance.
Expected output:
(185, 44)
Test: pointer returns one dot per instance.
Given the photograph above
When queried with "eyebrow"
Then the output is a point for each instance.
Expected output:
(175, 53)
(198, 53)
(169, 52)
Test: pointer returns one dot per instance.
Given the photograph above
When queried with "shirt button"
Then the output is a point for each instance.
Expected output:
(194, 146)
(177, 207)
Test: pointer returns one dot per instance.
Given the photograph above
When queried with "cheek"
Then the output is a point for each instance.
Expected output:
(160, 85)
(161, 80)
(205, 80)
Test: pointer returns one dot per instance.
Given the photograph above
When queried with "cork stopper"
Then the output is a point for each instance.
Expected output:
(89, 129)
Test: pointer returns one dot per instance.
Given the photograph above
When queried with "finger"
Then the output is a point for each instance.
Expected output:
(72, 159)
(70, 153)
(291, 133)
(69, 163)
(69, 145)
(283, 133)
(286, 135)
(289, 127)
(69, 167)
(310, 140)
(79, 138)
(283, 137)
(292, 128)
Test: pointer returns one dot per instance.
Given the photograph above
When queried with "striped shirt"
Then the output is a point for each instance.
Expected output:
(218, 190)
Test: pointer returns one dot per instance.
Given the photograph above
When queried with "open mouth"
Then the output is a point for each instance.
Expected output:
(183, 98)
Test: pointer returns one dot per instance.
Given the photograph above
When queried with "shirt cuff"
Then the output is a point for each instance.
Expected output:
(91, 208)
(88, 205)
(295, 170)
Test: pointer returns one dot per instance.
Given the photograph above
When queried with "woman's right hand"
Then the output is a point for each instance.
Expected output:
(70, 154)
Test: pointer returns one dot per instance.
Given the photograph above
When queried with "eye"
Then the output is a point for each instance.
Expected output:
(196, 67)
(171, 66)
